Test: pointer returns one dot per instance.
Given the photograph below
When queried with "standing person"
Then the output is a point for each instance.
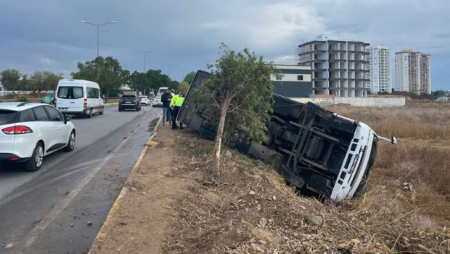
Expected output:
(165, 99)
(171, 105)
(177, 102)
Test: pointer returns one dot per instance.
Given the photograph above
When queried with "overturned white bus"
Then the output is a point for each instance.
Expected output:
(313, 148)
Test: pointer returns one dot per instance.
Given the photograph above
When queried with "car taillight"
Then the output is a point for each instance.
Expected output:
(135, 101)
(121, 101)
(85, 103)
(14, 130)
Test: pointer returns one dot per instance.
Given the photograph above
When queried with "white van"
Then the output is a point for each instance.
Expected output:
(162, 90)
(79, 97)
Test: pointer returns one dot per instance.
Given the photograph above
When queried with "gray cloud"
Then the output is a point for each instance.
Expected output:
(48, 34)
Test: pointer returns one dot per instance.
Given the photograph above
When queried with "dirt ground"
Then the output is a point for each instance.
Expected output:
(174, 203)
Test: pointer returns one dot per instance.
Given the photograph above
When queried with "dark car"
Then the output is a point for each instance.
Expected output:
(129, 101)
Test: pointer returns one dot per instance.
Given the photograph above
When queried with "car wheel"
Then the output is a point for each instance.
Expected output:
(71, 143)
(137, 109)
(120, 109)
(35, 162)
(101, 111)
(90, 114)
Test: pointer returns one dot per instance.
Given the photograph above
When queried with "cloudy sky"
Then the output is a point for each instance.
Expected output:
(37, 35)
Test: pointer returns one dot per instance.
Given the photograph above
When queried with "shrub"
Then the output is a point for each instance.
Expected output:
(22, 98)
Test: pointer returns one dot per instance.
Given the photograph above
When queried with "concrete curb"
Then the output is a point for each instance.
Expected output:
(103, 230)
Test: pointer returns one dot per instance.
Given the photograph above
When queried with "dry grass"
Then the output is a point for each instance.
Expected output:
(248, 210)
(418, 164)
(417, 121)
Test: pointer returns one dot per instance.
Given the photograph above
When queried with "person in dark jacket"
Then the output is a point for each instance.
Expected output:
(167, 114)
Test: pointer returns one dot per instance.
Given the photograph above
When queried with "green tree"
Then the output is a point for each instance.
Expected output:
(157, 79)
(24, 82)
(139, 81)
(438, 93)
(189, 77)
(107, 72)
(183, 87)
(239, 94)
(173, 84)
(36, 82)
(43, 81)
(10, 79)
(51, 80)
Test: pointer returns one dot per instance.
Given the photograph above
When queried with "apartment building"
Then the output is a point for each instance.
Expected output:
(293, 81)
(413, 72)
(338, 67)
(379, 74)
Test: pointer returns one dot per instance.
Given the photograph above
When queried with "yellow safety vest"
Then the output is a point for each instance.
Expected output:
(179, 101)
(174, 99)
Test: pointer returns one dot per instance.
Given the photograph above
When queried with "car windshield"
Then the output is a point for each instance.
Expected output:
(7, 117)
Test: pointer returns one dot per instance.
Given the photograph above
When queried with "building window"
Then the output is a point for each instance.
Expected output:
(299, 77)
(279, 76)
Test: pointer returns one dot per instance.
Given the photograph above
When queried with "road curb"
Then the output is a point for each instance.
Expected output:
(103, 230)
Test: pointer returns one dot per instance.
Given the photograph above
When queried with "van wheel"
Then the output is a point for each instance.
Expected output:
(90, 114)
(35, 162)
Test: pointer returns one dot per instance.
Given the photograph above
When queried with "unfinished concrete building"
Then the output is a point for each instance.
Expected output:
(338, 67)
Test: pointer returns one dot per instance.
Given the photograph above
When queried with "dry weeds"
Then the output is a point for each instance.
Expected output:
(427, 121)
(250, 209)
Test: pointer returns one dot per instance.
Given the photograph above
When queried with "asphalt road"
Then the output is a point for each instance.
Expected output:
(61, 207)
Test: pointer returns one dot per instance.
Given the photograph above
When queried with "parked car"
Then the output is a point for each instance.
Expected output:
(30, 131)
(129, 101)
(157, 101)
(79, 97)
(48, 98)
(144, 100)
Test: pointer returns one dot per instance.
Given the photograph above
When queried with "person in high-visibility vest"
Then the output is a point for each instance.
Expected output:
(176, 103)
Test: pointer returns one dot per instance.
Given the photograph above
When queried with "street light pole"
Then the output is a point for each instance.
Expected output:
(98, 32)
(145, 52)
(170, 64)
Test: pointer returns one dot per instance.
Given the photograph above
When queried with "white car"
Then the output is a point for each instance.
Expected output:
(30, 131)
(157, 101)
(144, 100)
